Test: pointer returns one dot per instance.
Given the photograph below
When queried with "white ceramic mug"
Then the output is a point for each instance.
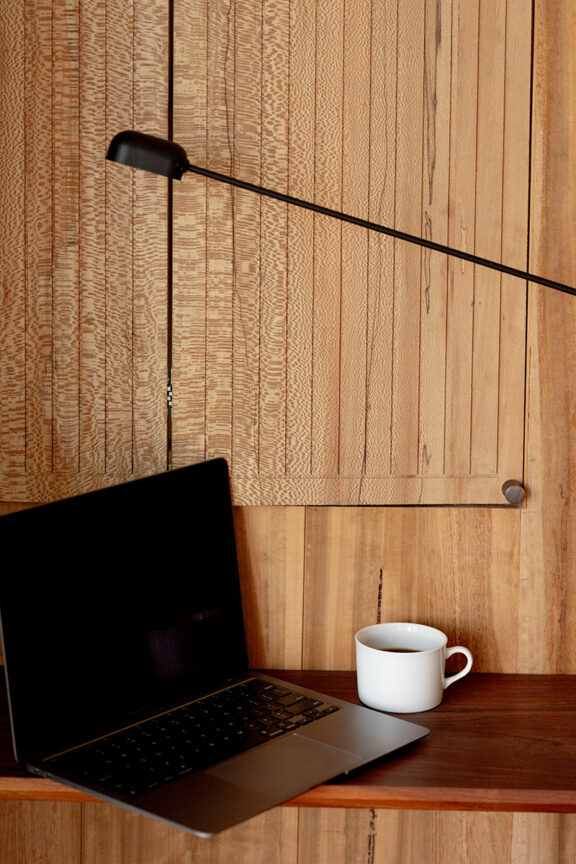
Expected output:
(400, 666)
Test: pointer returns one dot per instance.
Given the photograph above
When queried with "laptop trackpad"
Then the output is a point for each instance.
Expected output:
(291, 764)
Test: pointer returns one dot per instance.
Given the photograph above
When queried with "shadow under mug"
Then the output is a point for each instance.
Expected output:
(401, 666)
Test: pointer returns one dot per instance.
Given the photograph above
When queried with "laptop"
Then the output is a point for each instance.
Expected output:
(127, 664)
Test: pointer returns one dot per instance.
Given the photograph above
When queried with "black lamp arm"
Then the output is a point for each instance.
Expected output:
(383, 229)
(167, 158)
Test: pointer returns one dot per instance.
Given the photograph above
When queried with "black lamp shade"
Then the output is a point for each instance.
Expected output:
(149, 153)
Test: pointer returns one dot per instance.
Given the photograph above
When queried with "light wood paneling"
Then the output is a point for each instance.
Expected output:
(342, 368)
(406, 837)
(33, 832)
(83, 330)
(271, 556)
(455, 569)
(114, 836)
(393, 837)
(548, 566)
(544, 837)
(50, 833)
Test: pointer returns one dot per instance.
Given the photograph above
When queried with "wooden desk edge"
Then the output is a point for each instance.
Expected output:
(342, 795)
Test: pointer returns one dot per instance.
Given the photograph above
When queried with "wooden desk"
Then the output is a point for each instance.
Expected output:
(497, 742)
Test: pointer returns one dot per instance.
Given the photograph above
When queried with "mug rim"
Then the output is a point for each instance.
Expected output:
(417, 627)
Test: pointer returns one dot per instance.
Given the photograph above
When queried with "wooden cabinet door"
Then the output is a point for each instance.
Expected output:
(331, 365)
(83, 305)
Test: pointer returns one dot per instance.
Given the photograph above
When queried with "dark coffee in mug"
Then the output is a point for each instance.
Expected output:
(402, 650)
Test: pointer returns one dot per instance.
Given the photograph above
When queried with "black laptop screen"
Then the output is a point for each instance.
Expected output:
(123, 601)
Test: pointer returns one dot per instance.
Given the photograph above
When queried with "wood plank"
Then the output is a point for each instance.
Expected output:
(384, 837)
(189, 265)
(247, 272)
(327, 237)
(33, 831)
(463, 167)
(435, 200)
(546, 614)
(120, 212)
(220, 231)
(271, 557)
(93, 234)
(354, 263)
(408, 258)
(488, 237)
(13, 236)
(66, 238)
(151, 226)
(300, 239)
(39, 230)
(381, 272)
(544, 837)
(515, 215)
(114, 836)
(274, 215)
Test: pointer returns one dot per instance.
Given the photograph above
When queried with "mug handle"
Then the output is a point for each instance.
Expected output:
(458, 649)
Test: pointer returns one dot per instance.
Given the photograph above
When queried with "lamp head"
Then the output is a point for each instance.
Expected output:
(149, 153)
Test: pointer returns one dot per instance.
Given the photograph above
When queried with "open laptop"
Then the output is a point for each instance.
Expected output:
(127, 664)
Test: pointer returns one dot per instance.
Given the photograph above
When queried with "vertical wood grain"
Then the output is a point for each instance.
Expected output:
(120, 215)
(404, 837)
(112, 835)
(461, 234)
(247, 208)
(39, 228)
(273, 227)
(189, 262)
(354, 257)
(83, 327)
(549, 837)
(435, 198)
(327, 237)
(300, 239)
(271, 559)
(13, 237)
(65, 268)
(150, 274)
(547, 613)
(338, 367)
(381, 273)
(32, 831)
(93, 233)
(453, 569)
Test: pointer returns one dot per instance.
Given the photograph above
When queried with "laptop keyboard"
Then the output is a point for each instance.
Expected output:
(193, 736)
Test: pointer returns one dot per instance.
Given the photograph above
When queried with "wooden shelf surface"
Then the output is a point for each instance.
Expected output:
(497, 742)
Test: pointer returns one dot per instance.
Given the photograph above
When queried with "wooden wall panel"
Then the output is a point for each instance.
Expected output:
(547, 609)
(392, 837)
(33, 832)
(114, 836)
(271, 555)
(407, 837)
(345, 368)
(454, 569)
(83, 331)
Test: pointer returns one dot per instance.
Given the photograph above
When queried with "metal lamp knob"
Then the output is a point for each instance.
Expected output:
(513, 491)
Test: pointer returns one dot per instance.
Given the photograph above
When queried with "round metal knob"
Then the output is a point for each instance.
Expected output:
(513, 491)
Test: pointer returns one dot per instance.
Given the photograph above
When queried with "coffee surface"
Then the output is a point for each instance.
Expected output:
(402, 650)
